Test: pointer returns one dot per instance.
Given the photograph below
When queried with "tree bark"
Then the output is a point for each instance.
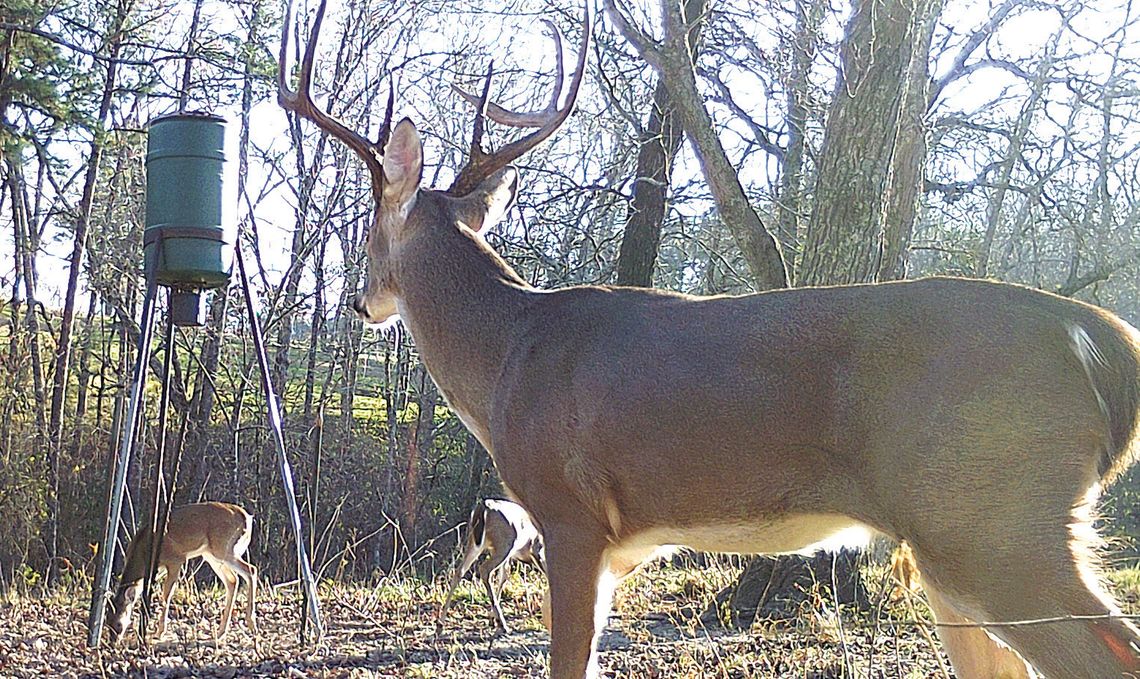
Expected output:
(674, 65)
(809, 16)
(874, 147)
(774, 588)
(84, 376)
(26, 246)
(316, 329)
(659, 144)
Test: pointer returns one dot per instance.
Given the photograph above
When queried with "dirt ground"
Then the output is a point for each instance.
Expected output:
(388, 630)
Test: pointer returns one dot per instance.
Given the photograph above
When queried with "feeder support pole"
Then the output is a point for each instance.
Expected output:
(120, 464)
(160, 507)
(274, 413)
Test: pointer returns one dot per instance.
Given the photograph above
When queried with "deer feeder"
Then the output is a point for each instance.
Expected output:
(189, 245)
(186, 244)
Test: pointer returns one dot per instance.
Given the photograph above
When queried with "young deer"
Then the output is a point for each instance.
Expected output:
(216, 531)
(977, 421)
(503, 530)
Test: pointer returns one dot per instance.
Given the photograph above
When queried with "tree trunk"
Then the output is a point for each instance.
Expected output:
(659, 144)
(874, 147)
(809, 16)
(26, 247)
(316, 330)
(673, 61)
(84, 376)
(75, 265)
(774, 588)
(351, 335)
(83, 220)
(420, 442)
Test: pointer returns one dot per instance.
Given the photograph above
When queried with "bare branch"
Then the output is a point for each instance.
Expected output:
(51, 37)
(647, 47)
(958, 69)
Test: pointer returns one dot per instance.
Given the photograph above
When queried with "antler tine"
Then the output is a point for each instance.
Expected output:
(529, 118)
(300, 101)
(479, 127)
(482, 165)
(559, 69)
(386, 128)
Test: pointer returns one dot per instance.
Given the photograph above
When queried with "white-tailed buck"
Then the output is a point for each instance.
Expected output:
(217, 532)
(504, 532)
(977, 421)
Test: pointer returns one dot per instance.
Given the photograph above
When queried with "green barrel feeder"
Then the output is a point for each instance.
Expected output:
(187, 243)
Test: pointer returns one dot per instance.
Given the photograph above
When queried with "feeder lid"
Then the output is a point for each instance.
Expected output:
(188, 115)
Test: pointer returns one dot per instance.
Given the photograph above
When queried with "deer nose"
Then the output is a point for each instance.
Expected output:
(358, 305)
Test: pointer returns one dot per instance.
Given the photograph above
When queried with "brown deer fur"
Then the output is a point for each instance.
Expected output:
(216, 531)
(975, 420)
(503, 531)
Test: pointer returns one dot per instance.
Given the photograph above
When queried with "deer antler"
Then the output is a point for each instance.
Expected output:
(532, 118)
(301, 102)
(483, 164)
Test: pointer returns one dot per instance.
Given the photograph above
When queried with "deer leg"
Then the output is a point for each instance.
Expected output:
(973, 653)
(171, 579)
(229, 579)
(247, 572)
(1028, 582)
(470, 554)
(493, 572)
(579, 599)
(490, 571)
(1109, 647)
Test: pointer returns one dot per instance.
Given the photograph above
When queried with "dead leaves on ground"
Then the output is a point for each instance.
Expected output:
(389, 631)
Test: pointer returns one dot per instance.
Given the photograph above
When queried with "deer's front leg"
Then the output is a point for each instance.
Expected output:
(574, 560)
(172, 571)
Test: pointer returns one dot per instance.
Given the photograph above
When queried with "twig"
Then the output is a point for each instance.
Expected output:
(925, 631)
(1009, 623)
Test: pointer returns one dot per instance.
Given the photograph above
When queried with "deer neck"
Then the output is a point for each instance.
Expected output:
(462, 304)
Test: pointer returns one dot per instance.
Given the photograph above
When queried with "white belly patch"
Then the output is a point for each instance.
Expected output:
(802, 534)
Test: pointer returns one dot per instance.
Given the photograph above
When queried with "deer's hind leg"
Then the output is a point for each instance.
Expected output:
(230, 580)
(973, 653)
(493, 573)
(1043, 574)
(247, 572)
(470, 553)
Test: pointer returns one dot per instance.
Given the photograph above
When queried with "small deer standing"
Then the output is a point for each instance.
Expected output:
(504, 531)
(216, 531)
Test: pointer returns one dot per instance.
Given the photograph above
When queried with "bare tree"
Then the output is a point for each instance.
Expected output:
(870, 175)
(658, 143)
(672, 58)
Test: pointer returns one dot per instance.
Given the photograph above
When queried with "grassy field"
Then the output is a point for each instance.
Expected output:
(387, 629)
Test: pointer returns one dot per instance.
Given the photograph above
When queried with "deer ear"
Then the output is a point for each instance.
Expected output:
(486, 205)
(403, 164)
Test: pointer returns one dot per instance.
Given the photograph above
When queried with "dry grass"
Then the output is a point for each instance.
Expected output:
(387, 630)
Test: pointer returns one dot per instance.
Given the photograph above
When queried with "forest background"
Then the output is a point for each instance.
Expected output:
(717, 147)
